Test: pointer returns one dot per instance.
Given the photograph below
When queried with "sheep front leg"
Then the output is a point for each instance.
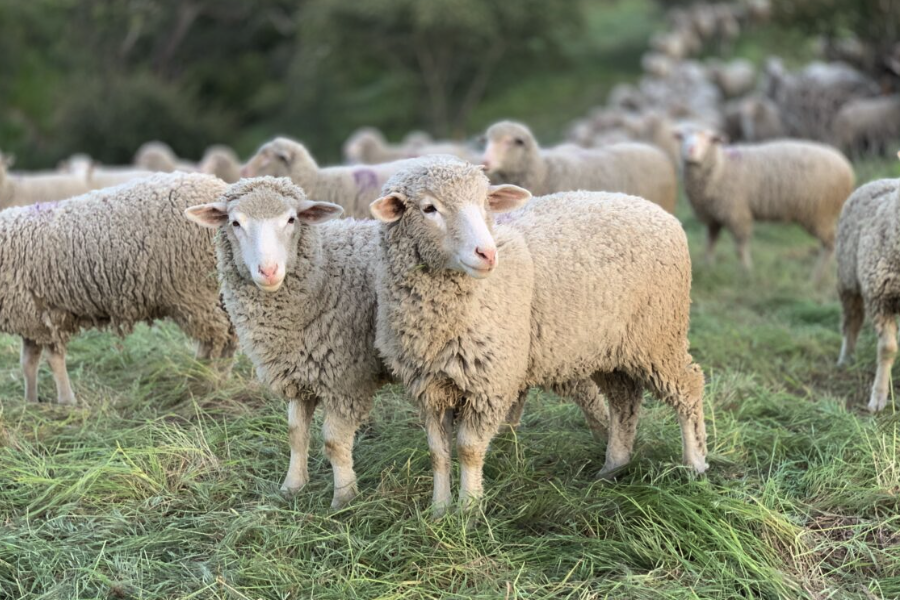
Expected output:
(57, 360)
(712, 236)
(886, 328)
(338, 433)
(439, 425)
(471, 445)
(31, 359)
(300, 416)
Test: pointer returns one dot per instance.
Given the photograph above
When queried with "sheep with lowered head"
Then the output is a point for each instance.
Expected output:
(786, 181)
(110, 259)
(353, 188)
(514, 156)
(471, 313)
(868, 257)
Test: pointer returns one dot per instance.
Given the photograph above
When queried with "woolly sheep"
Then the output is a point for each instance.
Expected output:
(868, 258)
(734, 78)
(111, 258)
(513, 156)
(353, 188)
(868, 124)
(22, 189)
(368, 146)
(221, 161)
(787, 181)
(300, 292)
(159, 157)
(99, 177)
(467, 334)
(760, 120)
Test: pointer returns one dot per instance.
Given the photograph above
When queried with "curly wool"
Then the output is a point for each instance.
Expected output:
(112, 258)
(631, 168)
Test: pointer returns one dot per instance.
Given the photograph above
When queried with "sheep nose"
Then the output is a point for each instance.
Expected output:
(269, 271)
(488, 255)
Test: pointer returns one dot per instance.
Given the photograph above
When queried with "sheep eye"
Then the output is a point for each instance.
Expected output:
(430, 208)
(291, 220)
(519, 142)
(235, 224)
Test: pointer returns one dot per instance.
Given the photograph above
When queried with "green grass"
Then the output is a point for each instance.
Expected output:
(163, 483)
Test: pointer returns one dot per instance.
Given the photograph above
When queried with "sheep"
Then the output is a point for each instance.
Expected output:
(760, 120)
(22, 189)
(300, 292)
(92, 261)
(159, 157)
(99, 177)
(735, 78)
(868, 124)
(467, 334)
(868, 258)
(513, 156)
(221, 161)
(787, 181)
(368, 146)
(353, 188)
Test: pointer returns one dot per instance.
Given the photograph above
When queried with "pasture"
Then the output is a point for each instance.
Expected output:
(164, 481)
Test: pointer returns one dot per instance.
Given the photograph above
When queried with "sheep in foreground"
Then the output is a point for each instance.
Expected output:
(222, 162)
(868, 124)
(353, 188)
(300, 293)
(110, 259)
(467, 333)
(22, 189)
(786, 181)
(514, 156)
(868, 258)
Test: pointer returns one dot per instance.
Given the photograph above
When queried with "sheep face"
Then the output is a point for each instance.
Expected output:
(263, 224)
(362, 145)
(279, 158)
(445, 212)
(696, 145)
(510, 147)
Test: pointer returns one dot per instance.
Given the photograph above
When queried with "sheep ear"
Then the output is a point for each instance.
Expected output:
(211, 215)
(313, 213)
(504, 198)
(388, 209)
(284, 155)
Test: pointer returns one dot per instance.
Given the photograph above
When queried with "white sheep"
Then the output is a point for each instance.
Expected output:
(871, 124)
(159, 157)
(786, 181)
(99, 177)
(221, 161)
(369, 147)
(22, 189)
(353, 188)
(735, 78)
(471, 313)
(109, 259)
(514, 156)
(868, 258)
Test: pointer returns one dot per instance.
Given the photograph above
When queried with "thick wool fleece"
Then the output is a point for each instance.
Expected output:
(630, 168)
(788, 181)
(868, 258)
(353, 188)
(112, 258)
(312, 341)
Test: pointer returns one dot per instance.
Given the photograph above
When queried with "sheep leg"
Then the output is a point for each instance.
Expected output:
(684, 393)
(712, 237)
(471, 445)
(57, 360)
(587, 396)
(852, 316)
(338, 433)
(624, 397)
(743, 251)
(300, 416)
(886, 328)
(514, 416)
(31, 359)
(822, 262)
(439, 426)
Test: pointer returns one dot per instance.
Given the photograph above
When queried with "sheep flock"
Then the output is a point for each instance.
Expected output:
(468, 272)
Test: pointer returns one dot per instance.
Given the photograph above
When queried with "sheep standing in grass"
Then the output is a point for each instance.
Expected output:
(111, 258)
(470, 314)
(22, 189)
(868, 257)
(353, 188)
(300, 293)
(514, 156)
(786, 181)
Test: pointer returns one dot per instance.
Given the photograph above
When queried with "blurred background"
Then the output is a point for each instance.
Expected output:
(104, 76)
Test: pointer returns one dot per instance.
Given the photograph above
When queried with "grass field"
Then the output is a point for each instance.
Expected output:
(163, 483)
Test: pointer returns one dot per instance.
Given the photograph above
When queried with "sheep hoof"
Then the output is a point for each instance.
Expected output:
(877, 404)
(610, 472)
(343, 498)
(68, 400)
(290, 490)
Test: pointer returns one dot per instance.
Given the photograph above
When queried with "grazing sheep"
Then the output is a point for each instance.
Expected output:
(22, 189)
(221, 161)
(353, 188)
(111, 258)
(734, 78)
(868, 258)
(467, 334)
(300, 293)
(513, 156)
(868, 124)
(99, 177)
(159, 157)
(787, 181)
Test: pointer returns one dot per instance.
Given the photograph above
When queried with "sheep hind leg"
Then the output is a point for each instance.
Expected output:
(886, 328)
(586, 394)
(31, 360)
(300, 416)
(338, 433)
(439, 426)
(825, 254)
(685, 395)
(852, 316)
(57, 360)
(623, 394)
(712, 236)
